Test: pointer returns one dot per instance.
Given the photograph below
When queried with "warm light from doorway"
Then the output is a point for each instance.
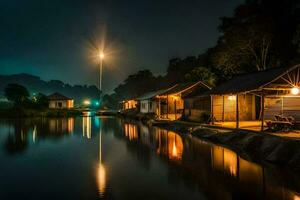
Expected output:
(232, 98)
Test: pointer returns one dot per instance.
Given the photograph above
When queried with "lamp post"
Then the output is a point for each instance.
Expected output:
(100, 79)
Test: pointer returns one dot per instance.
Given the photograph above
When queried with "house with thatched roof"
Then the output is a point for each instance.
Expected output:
(257, 96)
(59, 101)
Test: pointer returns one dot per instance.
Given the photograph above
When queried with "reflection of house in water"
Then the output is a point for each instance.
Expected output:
(86, 127)
(169, 144)
(230, 163)
(131, 131)
(61, 125)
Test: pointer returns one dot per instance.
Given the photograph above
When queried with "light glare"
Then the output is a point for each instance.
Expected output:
(295, 91)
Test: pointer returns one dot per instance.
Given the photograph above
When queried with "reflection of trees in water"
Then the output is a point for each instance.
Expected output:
(24, 131)
(16, 141)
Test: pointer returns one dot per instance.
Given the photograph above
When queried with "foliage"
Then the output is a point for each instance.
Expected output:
(40, 101)
(201, 73)
(16, 93)
(136, 84)
(34, 84)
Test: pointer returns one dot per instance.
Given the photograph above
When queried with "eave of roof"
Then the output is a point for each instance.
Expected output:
(180, 88)
(57, 96)
(251, 81)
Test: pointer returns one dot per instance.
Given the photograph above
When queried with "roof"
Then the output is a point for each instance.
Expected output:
(150, 95)
(251, 81)
(183, 87)
(57, 96)
(199, 92)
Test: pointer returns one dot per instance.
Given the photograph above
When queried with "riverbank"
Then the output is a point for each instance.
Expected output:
(25, 112)
(256, 146)
(133, 114)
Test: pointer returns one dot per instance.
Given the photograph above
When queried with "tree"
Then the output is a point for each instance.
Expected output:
(40, 101)
(136, 84)
(202, 74)
(16, 93)
(258, 36)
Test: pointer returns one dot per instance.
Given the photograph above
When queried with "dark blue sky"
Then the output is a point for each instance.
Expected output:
(51, 38)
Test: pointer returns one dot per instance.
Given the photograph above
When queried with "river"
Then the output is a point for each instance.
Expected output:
(109, 158)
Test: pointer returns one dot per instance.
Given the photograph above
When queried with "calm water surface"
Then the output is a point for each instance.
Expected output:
(107, 158)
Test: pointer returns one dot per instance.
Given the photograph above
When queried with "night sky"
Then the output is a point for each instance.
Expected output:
(54, 39)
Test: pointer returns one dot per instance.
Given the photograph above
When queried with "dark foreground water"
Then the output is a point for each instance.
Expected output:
(107, 158)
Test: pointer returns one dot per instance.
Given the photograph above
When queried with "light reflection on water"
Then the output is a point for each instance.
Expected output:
(125, 160)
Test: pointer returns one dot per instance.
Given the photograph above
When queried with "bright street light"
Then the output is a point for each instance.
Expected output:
(101, 55)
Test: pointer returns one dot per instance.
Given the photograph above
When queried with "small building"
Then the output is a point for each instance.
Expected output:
(171, 102)
(59, 101)
(149, 103)
(129, 104)
(247, 100)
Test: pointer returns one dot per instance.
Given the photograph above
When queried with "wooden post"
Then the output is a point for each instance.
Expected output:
(223, 114)
(262, 110)
(237, 118)
(282, 106)
(167, 107)
(212, 109)
(159, 109)
(175, 109)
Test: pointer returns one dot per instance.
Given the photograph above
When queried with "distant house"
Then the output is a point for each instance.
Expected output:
(57, 100)
(257, 96)
(129, 104)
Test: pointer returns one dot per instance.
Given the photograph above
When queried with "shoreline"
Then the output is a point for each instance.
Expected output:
(25, 112)
(259, 147)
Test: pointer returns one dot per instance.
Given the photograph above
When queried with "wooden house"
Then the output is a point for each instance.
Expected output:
(148, 102)
(257, 96)
(59, 101)
(171, 102)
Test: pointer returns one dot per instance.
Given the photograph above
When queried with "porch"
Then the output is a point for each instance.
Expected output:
(250, 100)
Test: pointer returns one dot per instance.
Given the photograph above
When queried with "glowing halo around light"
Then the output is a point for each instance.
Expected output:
(101, 56)
(295, 91)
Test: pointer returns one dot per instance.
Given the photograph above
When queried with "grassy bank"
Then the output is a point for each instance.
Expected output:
(25, 112)
(259, 147)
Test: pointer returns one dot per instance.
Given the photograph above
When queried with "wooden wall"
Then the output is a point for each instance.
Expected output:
(288, 106)
(224, 108)
(195, 107)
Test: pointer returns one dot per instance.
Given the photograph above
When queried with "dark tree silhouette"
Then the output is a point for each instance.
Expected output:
(16, 93)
